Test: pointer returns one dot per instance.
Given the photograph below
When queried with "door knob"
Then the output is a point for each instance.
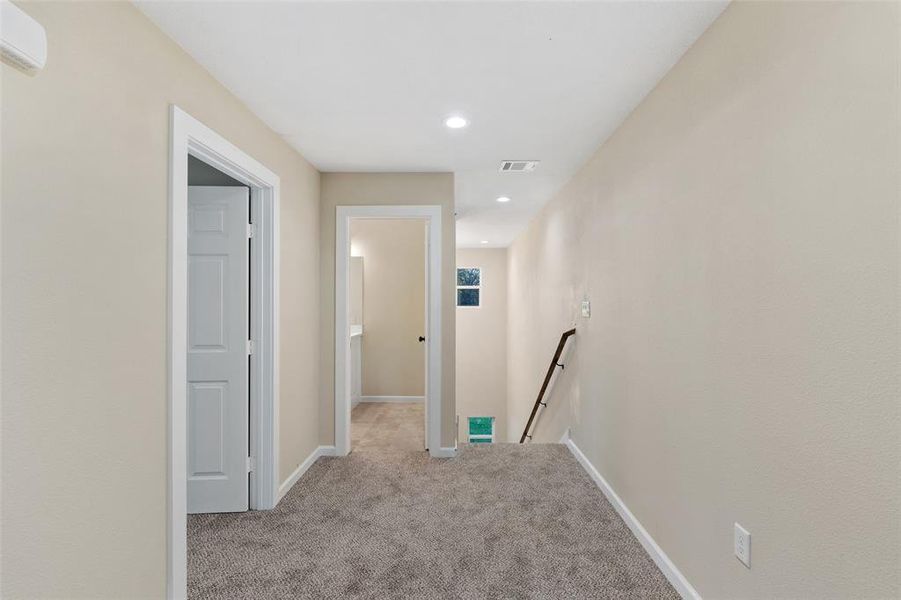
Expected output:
(421, 339)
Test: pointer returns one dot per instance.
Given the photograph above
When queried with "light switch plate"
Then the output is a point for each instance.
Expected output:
(586, 309)
(743, 545)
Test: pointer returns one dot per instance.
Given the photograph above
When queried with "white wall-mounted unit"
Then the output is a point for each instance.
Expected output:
(23, 41)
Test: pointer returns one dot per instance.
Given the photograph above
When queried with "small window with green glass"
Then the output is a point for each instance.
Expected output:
(469, 286)
(481, 430)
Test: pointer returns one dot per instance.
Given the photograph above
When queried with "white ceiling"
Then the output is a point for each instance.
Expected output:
(366, 86)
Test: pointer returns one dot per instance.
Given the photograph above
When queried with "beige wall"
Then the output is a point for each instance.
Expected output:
(738, 239)
(482, 343)
(385, 188)
(84, 243)
(393, 254)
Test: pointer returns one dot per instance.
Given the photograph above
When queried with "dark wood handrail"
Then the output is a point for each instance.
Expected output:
(555, 362)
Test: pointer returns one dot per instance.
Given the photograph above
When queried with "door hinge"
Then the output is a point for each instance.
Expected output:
(250, 464)
(249, 347)
(250, 230)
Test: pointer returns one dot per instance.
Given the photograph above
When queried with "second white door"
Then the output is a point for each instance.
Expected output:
(218, 348)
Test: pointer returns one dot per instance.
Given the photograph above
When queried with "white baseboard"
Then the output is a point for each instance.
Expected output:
(443, 453)
(392, 399)
(287, 484)
(675, 577)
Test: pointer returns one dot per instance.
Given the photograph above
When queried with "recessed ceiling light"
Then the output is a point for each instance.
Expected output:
(456, 122)
(484, 241)
(503, 199)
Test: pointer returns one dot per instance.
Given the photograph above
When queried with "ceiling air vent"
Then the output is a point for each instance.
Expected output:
(518, 166)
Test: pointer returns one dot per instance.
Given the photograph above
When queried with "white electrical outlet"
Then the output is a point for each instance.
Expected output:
(586, 309)
(743, 545)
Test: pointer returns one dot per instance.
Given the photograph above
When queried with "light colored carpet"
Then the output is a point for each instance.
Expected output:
(387, 427)
(497, 521)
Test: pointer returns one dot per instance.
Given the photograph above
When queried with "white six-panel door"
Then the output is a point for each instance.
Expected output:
(217, 395)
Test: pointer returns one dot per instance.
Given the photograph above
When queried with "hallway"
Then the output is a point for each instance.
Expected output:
(387, 426)
(498, 521)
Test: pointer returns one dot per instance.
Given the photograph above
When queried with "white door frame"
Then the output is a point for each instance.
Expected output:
(432, 216)
(187, 136)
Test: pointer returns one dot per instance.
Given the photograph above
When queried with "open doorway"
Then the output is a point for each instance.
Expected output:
(245, 213)
(427, 219)
(387, 311)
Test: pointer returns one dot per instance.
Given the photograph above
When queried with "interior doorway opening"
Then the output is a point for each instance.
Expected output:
(387, 314)
(429, 218)
(191, 142)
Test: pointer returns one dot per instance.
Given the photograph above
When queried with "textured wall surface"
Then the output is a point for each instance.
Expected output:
(85, 149)
(738, 239)
(482, 343)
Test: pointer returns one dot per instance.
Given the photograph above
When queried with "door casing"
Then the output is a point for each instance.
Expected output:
(187, 136)
(431, 214)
